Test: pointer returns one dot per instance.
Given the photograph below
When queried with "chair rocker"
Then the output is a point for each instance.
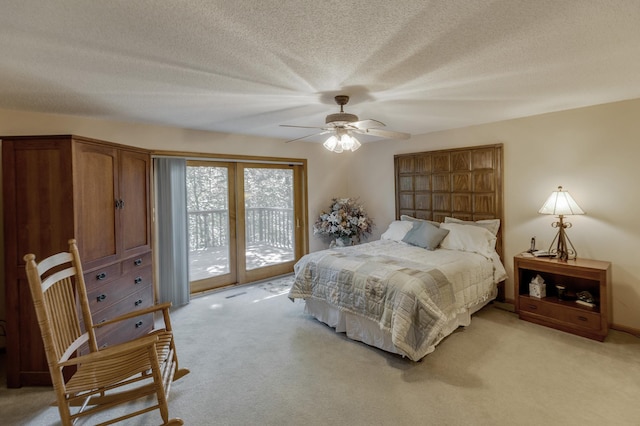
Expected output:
(87, 384)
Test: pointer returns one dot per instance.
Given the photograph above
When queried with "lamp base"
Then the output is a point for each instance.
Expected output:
(562, 251)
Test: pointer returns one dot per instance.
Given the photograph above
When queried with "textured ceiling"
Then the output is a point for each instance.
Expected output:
(247, 66)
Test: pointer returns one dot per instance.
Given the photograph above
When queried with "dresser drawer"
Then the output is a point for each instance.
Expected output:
(571, 316)
(555, 311)
(143, 298)
(128, 329)
(118, 289)
(590, 320)
(106, 295)
(101, 276)
(534, 306)
(124, 331)
(136, 262)
(121, 332)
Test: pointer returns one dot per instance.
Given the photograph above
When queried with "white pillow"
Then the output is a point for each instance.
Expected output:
(493, 225)
(469, 238)
(414, 219)
(397, 230)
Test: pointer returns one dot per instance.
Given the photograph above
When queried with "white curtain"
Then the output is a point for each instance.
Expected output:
(172, 244)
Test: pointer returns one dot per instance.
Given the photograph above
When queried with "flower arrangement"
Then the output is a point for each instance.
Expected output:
(345, 222)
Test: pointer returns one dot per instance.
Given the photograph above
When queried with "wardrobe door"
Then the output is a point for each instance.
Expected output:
(38, 213)
(133, 203)
(95, 177)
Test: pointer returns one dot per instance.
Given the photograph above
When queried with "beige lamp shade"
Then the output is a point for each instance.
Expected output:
(560, 203)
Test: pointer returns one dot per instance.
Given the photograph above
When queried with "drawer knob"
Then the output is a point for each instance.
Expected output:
(581, 318)
(138, 280)
(533, 307)
(139, 324)
(138, 302)
(101, 297)
(101, 276)
(137, 262)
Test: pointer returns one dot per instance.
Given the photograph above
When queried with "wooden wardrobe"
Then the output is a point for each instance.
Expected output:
(61, 187)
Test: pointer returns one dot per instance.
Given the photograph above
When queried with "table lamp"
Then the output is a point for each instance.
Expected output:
(561, 204)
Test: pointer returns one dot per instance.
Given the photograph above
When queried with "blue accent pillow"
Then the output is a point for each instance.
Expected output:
(425, 235)
(415, 219)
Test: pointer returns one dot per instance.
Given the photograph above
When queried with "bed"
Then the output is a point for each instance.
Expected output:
(433, 267)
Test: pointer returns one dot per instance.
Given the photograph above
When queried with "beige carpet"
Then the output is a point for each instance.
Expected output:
(257, 359)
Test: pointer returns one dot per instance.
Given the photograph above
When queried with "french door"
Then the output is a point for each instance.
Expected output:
(245, 221)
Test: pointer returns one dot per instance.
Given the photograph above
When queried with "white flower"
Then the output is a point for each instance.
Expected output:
(347, 218)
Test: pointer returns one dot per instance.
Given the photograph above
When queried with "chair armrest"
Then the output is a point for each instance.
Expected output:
(136, 313)
(111, 351)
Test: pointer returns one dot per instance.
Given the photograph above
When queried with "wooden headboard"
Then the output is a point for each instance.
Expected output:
(465, 183)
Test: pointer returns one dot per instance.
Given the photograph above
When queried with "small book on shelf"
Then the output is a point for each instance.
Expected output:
(584, 303)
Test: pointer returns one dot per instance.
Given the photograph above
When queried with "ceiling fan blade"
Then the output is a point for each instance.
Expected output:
(308, 136)
(367, 124)
(303, 127)
(384, 133)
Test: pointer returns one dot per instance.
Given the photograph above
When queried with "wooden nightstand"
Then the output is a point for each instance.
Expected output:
(575, 275)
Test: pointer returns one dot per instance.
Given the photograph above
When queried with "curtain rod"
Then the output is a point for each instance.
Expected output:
(230, 160)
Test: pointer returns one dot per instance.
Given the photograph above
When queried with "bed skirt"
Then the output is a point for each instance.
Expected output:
(369, 332)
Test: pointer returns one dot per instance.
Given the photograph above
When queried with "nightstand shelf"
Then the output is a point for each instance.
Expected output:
(575, 275)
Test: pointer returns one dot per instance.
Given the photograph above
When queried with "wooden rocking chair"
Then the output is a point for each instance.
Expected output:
(103, 378)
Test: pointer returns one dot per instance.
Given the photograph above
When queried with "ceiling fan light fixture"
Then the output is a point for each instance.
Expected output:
(343, 125)
(350, 142)
(342, 142)
(332, 144)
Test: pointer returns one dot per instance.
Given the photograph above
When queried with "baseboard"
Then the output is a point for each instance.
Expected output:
(505, 306)
(624, 328)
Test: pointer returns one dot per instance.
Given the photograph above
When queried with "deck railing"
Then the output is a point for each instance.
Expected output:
(266, 225)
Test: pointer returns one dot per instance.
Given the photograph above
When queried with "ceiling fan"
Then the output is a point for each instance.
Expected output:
(343, 126)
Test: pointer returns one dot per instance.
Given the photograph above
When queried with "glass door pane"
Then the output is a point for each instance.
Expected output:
(268, 216)
(211, 233)
(268, 226)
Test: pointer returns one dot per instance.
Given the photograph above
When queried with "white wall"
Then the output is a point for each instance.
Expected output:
(593, 152)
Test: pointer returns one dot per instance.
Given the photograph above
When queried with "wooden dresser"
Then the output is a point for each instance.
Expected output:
(61, 187)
